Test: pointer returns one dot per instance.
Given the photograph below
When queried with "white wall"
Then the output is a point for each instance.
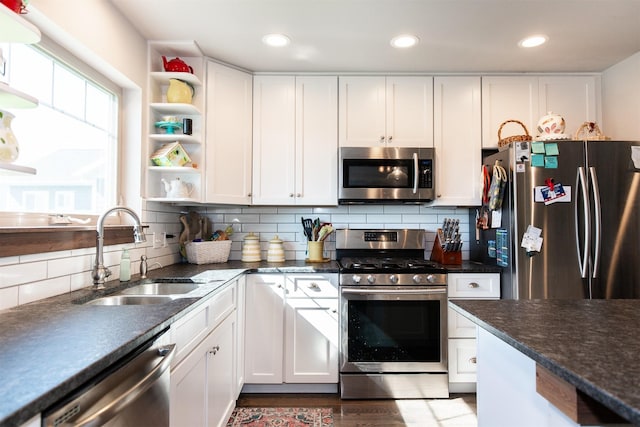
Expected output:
(621, 99)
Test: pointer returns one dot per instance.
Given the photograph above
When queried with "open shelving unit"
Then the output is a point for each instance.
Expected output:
(15, 29)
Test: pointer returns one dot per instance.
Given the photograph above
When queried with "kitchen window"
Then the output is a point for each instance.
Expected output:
(71, 138)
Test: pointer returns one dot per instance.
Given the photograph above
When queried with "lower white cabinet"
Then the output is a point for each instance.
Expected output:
(204, 373)
(291, 333)
(462, 351)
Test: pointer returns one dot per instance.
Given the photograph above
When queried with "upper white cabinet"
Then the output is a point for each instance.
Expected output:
(159, 110)
(576, 98)
(528, 98)
(295, 149)
(457, 140)
(396, 111)
(15, 29)
(228, 135)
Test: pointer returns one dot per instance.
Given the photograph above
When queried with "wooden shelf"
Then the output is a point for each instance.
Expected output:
(174, 108)
(174, 169)
(170, 137)
(164, 76)
(11, 98)
(17, 168)
(15, 29)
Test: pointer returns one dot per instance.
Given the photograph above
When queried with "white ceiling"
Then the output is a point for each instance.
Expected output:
(353, 35)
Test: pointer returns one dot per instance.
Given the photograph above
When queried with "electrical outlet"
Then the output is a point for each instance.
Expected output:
(160, 241)
(164, 239)
(156, 242)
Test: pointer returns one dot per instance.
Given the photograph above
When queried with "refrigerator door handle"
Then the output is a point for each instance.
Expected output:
(581, 183)
(598, 221)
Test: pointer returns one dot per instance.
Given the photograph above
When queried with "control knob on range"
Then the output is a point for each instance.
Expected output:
(356, 279)
(371, 279)
(417, 278)
(393, 278)
(431, 278)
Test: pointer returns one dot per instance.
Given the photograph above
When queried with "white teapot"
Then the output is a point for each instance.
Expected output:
(176, 189)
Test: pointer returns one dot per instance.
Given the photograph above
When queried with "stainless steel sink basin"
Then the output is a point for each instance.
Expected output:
(131, 300)
(164, 288)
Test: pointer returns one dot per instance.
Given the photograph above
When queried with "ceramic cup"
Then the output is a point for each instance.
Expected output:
(315, 251)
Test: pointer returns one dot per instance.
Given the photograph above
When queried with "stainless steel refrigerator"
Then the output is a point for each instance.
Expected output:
(591, 238)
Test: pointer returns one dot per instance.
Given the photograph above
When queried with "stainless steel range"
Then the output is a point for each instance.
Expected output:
(393, 316)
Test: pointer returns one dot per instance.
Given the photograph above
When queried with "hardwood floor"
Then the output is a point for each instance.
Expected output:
(458, 410)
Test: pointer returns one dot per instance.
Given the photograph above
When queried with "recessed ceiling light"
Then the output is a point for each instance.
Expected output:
(403, 41)
(533, 41)
(277, 40)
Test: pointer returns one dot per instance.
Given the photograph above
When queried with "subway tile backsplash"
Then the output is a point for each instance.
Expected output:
(28, 278)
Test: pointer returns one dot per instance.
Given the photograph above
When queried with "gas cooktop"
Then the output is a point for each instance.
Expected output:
(389, 265)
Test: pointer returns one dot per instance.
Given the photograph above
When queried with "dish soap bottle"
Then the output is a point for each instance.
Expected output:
(125, 266)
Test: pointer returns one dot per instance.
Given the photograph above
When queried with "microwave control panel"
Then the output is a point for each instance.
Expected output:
(425, 177)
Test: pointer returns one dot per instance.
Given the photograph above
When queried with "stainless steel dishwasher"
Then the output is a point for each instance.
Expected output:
(135, 392)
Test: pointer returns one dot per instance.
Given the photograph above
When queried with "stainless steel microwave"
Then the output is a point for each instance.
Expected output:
(386, 175)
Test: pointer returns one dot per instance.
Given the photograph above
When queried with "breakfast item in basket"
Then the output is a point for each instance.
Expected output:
(219, 235)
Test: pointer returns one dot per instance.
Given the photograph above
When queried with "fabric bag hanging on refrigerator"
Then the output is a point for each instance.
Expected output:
(496, 191)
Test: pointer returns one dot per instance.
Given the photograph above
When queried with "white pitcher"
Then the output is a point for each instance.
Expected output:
(8, 144)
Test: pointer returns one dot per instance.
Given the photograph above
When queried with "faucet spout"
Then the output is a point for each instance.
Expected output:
(100, 272)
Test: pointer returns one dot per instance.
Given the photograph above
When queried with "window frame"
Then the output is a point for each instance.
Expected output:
(25, 220)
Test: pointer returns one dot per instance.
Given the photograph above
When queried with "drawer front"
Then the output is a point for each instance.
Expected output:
(312, 286)
(462, 360)
(187, 332)
(459, 326)
(222, 304)
(473, 286)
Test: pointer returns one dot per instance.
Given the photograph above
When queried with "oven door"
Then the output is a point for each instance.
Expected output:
(392, 329)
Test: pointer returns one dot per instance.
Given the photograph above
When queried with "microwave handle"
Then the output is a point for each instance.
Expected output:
(415, 173)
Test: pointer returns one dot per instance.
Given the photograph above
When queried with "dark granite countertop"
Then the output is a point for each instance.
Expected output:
(472, 267)
(50, 347)
(592, 344)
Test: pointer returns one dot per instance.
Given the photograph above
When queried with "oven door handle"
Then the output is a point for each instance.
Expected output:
(369, 291)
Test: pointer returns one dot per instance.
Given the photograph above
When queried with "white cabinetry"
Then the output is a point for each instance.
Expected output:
(291, 329)
(528, 98)
(461, 331)
(204, 371)
(228, 135)
(393, 110)
(295, 152)
(457, 140)
(159, 109)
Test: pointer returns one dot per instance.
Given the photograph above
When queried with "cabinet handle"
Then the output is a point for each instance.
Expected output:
(290, 194)
(473, 360)
(214, 350)
(334, 311)
(474, 285)
(390, 139)
(299, 195)
(249, 195)
(314, 286)
(382, 139)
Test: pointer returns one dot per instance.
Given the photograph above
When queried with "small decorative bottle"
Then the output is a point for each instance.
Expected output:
(125, 266)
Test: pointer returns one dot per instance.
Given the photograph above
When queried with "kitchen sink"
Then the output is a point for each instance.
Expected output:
(162, 288)
(130, 300)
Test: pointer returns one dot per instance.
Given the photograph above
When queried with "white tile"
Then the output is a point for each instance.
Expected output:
(401, 209)
(44, 256)
(367, 209)
(260, 228)
(296, 210)
(386, 219)
(9, 260)
(43, 289)
(8, 297)
(71, 265)
(277, 218)
(22, 273)
(80, 280)
(348, 219)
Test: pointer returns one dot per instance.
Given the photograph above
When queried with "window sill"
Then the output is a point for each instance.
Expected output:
(34, 240)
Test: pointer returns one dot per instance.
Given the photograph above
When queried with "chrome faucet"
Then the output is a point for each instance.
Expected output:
(100, 272)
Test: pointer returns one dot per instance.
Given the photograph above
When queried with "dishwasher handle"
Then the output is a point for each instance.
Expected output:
(114, 407)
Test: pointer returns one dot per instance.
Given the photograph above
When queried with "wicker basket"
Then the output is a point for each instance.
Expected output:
(515, 138)
(208, 252)
(590, 131)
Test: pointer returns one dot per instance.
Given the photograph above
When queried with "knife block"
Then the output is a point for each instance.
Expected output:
(444, 257)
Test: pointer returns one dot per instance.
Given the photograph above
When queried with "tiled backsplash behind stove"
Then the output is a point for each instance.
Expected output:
(284, 222)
